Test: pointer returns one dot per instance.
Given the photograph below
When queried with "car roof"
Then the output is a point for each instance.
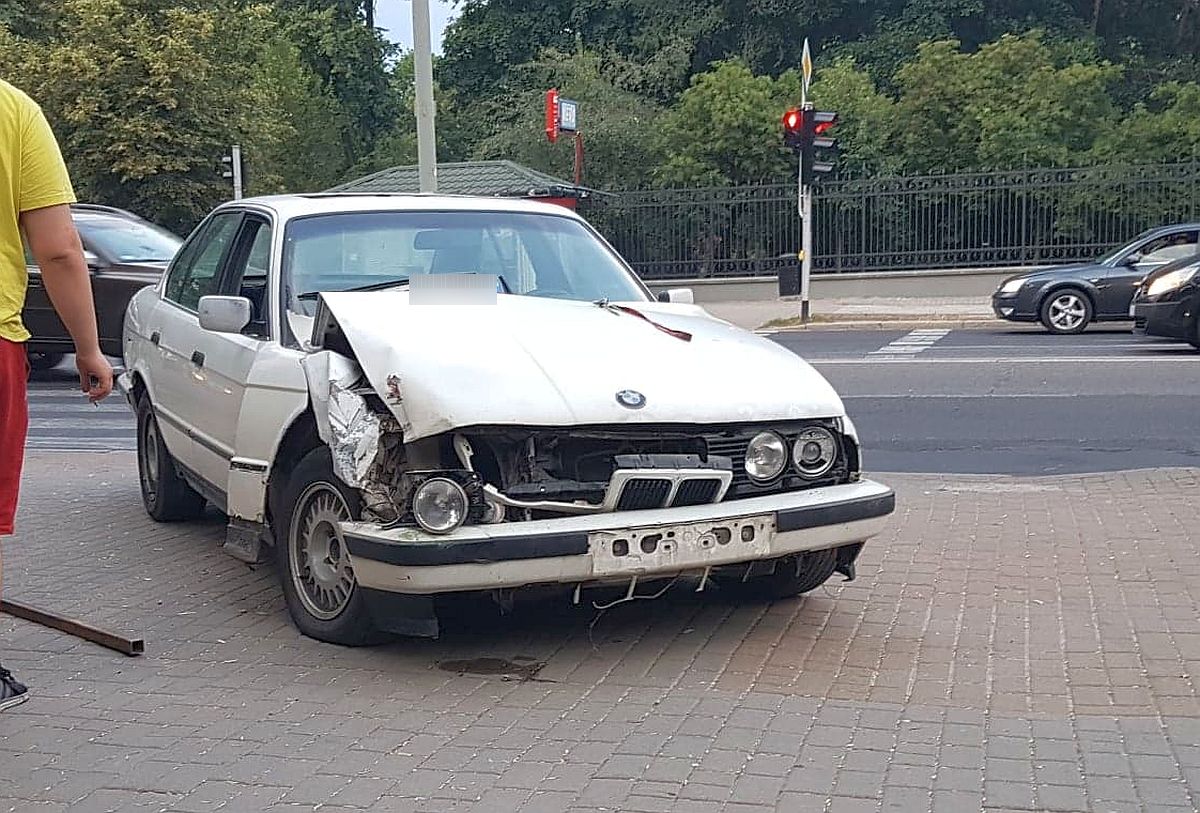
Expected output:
(290, 206)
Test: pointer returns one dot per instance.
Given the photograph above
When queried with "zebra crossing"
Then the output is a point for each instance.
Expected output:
(911, 344)
(61, 419)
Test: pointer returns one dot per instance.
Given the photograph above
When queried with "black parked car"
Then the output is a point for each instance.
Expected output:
(124, 254)
(1168, 302)
(1066, 299)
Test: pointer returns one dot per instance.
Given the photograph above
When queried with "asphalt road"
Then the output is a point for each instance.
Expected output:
(1008, 401)
(1013, 401)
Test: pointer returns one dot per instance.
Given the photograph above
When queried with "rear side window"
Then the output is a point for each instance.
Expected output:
(197, 271)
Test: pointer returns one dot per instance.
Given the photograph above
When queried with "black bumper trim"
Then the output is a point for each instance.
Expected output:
(506, 549)
(575, 543)
(815, 516)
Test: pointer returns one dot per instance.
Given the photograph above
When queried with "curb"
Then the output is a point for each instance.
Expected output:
(889, 324)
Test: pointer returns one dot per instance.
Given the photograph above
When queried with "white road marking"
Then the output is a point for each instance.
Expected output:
(899, 359)
(910, 344)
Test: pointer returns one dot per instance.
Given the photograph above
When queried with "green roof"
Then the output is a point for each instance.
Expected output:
(488, 178)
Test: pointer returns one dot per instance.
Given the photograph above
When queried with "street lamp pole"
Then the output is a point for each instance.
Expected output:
(423, 69)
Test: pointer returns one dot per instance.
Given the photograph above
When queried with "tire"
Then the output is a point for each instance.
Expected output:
(166, 496)
(797, 574)
(40, 362)
(1066, 311)
(325, 603)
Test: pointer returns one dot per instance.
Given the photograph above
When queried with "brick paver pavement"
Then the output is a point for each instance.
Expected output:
(1010, 645)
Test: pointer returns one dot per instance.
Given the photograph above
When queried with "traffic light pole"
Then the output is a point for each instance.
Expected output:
(806, 235)
(236, 167)
(806, 249)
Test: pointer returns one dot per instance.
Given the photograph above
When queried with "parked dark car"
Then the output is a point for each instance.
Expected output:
(1168, 302)
(124, 253)
(1066, 299)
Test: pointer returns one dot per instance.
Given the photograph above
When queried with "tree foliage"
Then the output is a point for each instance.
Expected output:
(147, 95)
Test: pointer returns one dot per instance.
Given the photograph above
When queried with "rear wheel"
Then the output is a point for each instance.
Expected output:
(166, 496)
(1067, 310)
(44, 361)
(319, 585)
(798, 574)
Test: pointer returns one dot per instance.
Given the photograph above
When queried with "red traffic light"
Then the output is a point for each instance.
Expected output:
(792, 119)
(821, 126)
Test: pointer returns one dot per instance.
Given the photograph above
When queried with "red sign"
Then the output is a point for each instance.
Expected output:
(552, 115)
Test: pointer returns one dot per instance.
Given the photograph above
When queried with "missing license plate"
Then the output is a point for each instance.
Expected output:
(680, 546)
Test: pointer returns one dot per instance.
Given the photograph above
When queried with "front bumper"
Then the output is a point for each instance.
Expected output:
(1010, 307)
(566, 550)
(1170, 319)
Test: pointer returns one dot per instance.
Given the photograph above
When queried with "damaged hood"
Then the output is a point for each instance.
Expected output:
(528, 361)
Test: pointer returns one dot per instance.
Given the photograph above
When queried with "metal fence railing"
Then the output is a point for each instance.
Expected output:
(980, 219)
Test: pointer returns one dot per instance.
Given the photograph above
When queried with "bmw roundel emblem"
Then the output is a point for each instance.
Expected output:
(631, 398)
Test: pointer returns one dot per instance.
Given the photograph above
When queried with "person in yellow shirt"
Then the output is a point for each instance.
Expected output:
(35, 198)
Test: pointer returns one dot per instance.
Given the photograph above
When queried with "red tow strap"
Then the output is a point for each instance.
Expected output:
(678, 334)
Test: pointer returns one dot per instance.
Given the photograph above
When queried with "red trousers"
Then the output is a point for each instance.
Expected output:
(14, 421)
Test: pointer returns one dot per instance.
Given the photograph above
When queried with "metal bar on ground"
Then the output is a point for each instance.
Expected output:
(126, 646)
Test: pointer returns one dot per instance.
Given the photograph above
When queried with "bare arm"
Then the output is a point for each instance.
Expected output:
(56, 249)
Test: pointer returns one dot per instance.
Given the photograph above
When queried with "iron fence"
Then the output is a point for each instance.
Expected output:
(981, 219)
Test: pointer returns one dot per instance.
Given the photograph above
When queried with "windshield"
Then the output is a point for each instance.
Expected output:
(532, 254)
(127, 240)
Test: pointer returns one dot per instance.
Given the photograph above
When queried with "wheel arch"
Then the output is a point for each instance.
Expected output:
(1083, 286)
(300, 437)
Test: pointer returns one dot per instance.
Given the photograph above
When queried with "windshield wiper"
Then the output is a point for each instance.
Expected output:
(374, 286)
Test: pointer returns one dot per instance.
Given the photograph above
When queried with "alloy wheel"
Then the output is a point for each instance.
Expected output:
(319, 563)
(1067, 312)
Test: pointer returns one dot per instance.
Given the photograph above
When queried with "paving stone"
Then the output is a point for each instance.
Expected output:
(1068, 679)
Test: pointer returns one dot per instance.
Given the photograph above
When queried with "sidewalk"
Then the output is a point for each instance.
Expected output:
(859, 313)
(1009, 644)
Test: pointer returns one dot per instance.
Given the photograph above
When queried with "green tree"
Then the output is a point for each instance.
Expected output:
(1014, 102)
(145, 97)
(618, 125)
(725, 129)
(348, 58)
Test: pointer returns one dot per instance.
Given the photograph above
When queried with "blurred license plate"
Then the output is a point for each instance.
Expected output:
(694, 545)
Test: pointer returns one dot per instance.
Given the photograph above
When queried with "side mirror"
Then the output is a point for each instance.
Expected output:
(681, 296)
(224, 314)
(1132, 259)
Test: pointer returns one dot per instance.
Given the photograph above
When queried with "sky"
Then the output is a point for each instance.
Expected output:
(395, 18)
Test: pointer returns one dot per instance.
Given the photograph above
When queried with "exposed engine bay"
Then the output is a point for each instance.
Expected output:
(516, 473)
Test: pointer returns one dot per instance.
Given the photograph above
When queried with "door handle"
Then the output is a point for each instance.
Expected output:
(154, 338)
(197, 358)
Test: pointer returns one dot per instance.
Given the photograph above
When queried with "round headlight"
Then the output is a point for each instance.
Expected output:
(440, 505)
(814, 452)
(766, 456)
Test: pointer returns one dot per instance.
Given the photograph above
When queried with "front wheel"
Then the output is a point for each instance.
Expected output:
(1065, 311)
(166, 496)
(798, 574)
(40, 362)
(319, 586)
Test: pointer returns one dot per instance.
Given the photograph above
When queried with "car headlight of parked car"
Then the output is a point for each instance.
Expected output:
(1012, 286)
(814, 452)
(1172, 280)
(766, 456)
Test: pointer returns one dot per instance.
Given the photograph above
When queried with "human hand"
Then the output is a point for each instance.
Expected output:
(95, 375)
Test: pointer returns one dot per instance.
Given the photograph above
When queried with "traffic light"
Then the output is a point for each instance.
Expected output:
(814, 140)
(792, 121)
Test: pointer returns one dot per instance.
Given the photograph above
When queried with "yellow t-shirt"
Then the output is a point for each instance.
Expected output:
(32, 176)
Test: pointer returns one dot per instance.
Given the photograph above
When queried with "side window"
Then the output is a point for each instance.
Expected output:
(196, 272)
(1169, 247)
(247, 275)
